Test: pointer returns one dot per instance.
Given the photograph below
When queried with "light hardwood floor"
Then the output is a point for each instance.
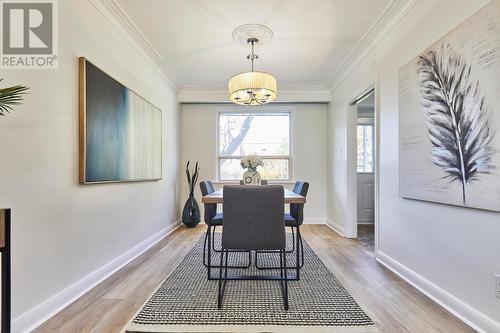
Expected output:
(393, 304)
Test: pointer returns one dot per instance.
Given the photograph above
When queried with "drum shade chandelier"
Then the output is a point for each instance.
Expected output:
(252, 88)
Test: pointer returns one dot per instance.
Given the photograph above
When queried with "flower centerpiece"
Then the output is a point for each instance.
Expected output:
(251, 162)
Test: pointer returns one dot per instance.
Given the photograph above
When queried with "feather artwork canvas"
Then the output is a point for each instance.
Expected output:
(449, 117)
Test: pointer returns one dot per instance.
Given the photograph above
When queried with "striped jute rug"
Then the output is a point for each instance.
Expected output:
(187, 302)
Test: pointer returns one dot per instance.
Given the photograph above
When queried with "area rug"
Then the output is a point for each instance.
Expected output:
(187, 302)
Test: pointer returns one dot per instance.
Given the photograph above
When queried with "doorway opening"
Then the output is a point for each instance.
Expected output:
(365, 170)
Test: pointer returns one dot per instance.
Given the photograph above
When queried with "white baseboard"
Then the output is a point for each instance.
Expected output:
(336, 227)
(366, 221)
(41, 312)
(472, 317)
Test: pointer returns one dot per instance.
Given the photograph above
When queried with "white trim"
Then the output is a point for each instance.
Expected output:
(376, 156)
(41, 312)
(263, 110)
(366, 221)
(389, 18)
(115, 14)
(286, 94)
(351, 226)
(336, 227)
(469, 315)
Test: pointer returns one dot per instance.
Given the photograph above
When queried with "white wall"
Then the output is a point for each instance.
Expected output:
(451, 253)
(198, 133)
(62, 231)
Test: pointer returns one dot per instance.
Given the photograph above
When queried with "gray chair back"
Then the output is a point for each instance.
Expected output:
(297, 210)
(254, 218)
(207, 187)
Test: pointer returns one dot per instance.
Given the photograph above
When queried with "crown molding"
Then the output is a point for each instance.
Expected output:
(115, 14)
(389, 18)
(286, 94)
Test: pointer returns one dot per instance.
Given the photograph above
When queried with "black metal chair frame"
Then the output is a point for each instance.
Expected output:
(299, 254)
(295, 240)
(207, 252)
(210, 236)
(273, 240)
(223, 280)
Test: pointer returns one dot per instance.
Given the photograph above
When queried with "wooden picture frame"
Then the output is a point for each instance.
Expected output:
(120, 132)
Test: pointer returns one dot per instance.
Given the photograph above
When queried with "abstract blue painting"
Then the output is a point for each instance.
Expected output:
(120, 132)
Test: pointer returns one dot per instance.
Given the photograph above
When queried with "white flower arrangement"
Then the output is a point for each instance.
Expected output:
(251, 162)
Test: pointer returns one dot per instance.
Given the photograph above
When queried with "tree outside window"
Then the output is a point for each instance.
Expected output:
(263, 134)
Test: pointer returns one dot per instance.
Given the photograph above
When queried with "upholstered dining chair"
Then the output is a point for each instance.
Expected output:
(253, 220)
(212, 220)
(294, 220)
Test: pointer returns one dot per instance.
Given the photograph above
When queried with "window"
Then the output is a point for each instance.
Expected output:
(263, 134)
(365, 148)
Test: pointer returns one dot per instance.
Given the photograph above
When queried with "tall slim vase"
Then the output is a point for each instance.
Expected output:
(191, 212)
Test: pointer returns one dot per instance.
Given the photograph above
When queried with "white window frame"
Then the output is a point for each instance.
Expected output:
(258, 112)
(367, 122)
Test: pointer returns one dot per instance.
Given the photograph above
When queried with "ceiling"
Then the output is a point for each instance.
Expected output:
(311, 37)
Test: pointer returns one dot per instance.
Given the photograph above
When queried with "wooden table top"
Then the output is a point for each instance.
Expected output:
(218, 197)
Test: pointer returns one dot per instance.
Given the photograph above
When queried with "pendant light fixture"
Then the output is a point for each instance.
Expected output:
(252, 88)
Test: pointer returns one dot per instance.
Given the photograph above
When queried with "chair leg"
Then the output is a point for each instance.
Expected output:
(213, 240)
(225, 271)
(286, 251)
(301, 251)
(281, 272)
(209, 255)
(212, 235)
(297, 258)
(293, 241)
(205, 247)
(282, 279)
(219, 298)
(285, 294)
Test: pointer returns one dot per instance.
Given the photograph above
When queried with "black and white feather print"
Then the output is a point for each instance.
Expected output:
(457, 117)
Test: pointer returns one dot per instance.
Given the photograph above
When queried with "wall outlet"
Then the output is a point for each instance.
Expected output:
(497, 285)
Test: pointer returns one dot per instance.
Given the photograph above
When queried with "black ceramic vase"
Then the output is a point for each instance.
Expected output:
(191, 211)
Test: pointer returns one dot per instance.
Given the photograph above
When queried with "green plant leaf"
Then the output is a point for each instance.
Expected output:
(10, 97)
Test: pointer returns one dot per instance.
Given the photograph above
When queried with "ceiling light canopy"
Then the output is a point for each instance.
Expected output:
(252, 88)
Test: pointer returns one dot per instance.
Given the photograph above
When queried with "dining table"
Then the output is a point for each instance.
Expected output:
(217, 197)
